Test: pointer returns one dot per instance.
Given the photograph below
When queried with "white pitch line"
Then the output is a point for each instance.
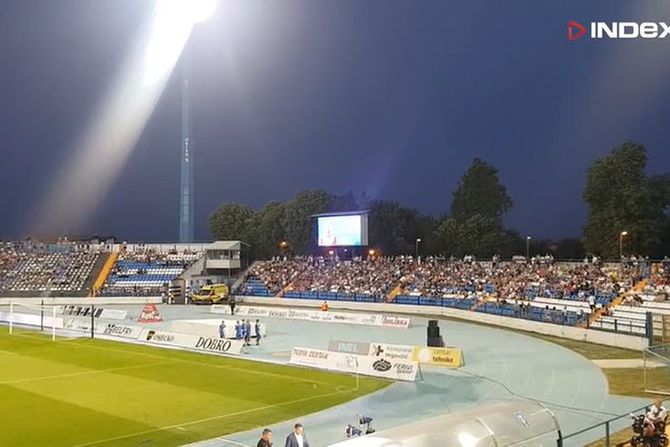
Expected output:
(239, 444)
(79, 373)
(212, 418)
(192, 362)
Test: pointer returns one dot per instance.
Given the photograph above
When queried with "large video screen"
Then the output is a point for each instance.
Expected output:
(342, 231)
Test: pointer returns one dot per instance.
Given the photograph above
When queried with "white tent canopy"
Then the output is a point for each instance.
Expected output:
(516, 423)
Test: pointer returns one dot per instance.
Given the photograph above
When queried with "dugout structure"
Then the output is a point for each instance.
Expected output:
(514, 423)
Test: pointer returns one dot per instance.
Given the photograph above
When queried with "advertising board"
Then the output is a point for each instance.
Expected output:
(363, 319)
(192, 342)
(395, 369)
(448, 357)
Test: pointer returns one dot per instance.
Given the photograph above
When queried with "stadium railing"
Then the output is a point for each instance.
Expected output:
(336, 296)
(605, 427)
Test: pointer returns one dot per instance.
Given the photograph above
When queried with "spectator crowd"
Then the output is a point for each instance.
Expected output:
(28, 266)
(439, 277)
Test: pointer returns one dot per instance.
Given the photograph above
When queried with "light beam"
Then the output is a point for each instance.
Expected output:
(106, 143)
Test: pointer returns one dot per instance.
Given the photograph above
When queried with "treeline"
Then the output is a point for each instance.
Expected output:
(620, 195)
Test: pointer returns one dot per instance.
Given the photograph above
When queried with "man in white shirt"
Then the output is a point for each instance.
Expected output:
(297, 438)
(657, 412)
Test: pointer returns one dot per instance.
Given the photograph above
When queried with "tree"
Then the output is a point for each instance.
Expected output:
(478, 235)
(394, 229)
(268, 230)
(475, 223)
(296, 220)
(479, 192)
(231, 221)
(621, 197)
(570, 248)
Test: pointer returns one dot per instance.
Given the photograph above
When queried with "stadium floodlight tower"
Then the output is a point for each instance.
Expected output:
(195, 11)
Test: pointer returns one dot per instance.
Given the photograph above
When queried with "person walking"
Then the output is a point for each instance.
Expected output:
(266, 439)
(231, 303)
(297, 437)
(222, 329)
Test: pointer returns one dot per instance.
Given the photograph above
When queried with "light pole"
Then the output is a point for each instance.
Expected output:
(621, 236)
(528, 247)
(416, 247)
(198, 11)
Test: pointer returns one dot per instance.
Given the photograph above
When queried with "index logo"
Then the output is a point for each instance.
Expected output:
(619, 30)
(575, 30)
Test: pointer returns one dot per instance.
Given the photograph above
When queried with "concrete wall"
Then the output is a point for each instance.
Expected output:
(569, 332)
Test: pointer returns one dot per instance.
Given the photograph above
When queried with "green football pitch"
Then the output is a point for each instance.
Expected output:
(83, 392)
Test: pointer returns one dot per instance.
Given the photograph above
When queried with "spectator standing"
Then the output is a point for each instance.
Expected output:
(297, 437)
(231, 303)
(222, 329)
(266, 439)
(247, 333)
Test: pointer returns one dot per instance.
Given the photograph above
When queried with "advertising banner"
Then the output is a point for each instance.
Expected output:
(85, 311)
(393, 321)
(77, 324)
(192, 342)
(396, 352)
(363, 319)
(210, 327)
(150, 314)
(120, 330)
(449, 357)
(387, 368)
(351, 347)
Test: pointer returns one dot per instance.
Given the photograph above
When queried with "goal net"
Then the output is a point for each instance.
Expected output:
(657, 369)
(18, 315)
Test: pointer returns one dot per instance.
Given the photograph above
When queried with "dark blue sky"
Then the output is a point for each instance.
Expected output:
(389, 97)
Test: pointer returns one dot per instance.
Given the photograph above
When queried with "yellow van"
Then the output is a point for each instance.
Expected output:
(211, 294)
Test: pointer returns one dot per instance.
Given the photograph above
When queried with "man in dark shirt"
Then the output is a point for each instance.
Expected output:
(258, 332)
(231, 303)
(247, 333)
(266, 439)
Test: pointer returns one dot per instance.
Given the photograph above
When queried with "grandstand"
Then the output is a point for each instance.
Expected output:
(147, 272)
(28, 268)
(611, 297)
(545, 291)
(90, 267)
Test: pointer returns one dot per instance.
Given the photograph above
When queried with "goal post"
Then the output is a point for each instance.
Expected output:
(32, 316)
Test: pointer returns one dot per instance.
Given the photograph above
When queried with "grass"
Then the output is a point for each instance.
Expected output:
(591, 351)
(83, 392)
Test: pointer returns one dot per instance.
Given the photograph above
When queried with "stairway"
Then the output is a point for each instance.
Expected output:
(637, 288)
(397, 290)
(104, 273)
